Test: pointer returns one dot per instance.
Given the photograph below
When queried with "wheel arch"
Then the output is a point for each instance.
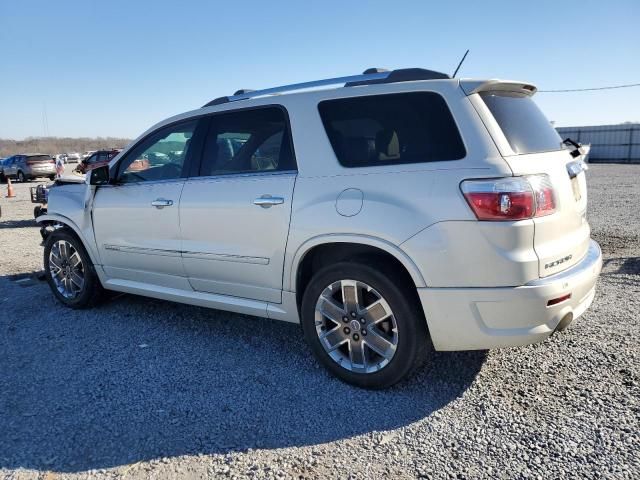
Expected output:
(343, 247)
(52, 219)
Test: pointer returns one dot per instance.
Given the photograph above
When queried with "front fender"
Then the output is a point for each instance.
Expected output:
(89, 243)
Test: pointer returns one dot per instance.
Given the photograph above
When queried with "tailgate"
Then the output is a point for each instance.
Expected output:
(530, 145)
(561, 239)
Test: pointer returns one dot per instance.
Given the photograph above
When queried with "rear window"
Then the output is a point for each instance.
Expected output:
(522, 122)
(40, 158)
(391, 129)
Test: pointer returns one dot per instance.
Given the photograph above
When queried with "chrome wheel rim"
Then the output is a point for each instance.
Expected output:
(356, 326)
(66, 269)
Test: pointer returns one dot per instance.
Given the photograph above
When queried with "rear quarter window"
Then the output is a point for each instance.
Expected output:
(524, 125)
(391, 129)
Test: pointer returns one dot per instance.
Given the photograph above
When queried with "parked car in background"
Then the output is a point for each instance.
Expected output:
(2, 178)
(401, 212)
(73, 157)
(29, 166)
(96, 159)
(87, 154)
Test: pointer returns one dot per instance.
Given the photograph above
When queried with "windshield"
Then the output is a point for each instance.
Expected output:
(522, 122)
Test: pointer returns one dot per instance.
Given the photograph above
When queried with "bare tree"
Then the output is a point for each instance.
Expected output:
(55, 145)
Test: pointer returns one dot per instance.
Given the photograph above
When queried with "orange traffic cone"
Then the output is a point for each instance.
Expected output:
(10, 192)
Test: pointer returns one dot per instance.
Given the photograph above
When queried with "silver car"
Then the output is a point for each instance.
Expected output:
(29, 166)
(398, 213)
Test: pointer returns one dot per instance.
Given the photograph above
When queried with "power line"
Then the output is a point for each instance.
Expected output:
(591, 89)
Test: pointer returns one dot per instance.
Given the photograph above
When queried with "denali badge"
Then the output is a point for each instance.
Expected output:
(558, 262)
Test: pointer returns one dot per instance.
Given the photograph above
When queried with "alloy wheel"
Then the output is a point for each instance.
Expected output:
(67, 269)
(356, 326)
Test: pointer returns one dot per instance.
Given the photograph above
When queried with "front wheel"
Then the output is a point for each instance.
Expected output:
(69, 271)
(364, 325)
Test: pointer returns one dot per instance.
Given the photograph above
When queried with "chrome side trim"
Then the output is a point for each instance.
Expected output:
(226, 258)
(146, 251)
(186, 254)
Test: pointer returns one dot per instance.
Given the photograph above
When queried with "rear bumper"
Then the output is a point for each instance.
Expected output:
(40, 171)
(481, 318)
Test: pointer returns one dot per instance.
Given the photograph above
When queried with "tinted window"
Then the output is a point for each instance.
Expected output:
(391, 129)
(522, 122)
(40, 158)
(248, 141)
(160, 156)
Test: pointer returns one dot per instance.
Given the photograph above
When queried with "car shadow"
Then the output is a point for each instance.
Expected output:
(621, 266)
(18, 224)
(138, 379)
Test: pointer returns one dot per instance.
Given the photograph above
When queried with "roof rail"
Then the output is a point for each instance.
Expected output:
(369, 77)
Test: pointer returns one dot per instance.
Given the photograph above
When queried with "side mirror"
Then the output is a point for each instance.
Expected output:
(99, 176)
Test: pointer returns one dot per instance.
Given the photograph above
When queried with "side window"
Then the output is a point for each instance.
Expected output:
(161, 156)
(248, 141)
(391, 129)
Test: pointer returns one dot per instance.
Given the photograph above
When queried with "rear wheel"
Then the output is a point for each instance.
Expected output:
(21, 177)
(69, 271)
(364, 324)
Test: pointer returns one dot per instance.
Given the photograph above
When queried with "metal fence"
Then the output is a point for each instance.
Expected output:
(609, 143)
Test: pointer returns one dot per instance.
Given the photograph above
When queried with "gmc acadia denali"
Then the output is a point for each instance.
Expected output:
(391, 214)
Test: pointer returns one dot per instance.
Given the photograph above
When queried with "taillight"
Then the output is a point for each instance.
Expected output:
(510, 198)
(545, 196)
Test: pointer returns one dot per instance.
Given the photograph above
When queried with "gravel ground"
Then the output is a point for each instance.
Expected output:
(141, 388)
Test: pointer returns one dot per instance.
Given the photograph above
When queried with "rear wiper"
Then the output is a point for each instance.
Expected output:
(576, 151)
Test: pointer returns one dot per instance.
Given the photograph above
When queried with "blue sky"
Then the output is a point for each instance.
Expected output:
(114, 68)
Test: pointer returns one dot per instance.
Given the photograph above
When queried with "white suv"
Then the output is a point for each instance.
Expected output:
(398, 213)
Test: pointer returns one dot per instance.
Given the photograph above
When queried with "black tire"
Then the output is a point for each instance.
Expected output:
(92, 291)
(37, 211)
(21, 178)
(413, 343)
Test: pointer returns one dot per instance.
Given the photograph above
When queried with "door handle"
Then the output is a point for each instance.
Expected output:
(161, 202)
(267, 201)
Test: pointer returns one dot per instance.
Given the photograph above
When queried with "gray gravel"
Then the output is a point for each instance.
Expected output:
(144, 388)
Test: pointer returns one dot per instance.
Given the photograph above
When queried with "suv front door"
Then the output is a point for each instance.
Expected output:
(136, 220)
(235, 215)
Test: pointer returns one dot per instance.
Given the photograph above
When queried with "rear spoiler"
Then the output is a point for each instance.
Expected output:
(470, 86)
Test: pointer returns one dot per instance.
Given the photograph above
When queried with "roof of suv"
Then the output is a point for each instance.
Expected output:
(370, 76)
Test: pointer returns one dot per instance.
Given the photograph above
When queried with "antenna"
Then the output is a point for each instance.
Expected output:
(460, 64)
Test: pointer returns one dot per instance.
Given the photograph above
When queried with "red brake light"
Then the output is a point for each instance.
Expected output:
(511, 198)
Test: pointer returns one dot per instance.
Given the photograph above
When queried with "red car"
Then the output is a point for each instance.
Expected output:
(97, 159)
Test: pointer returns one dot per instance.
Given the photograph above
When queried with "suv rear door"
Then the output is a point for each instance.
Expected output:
(234, 215)
(530, 145)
